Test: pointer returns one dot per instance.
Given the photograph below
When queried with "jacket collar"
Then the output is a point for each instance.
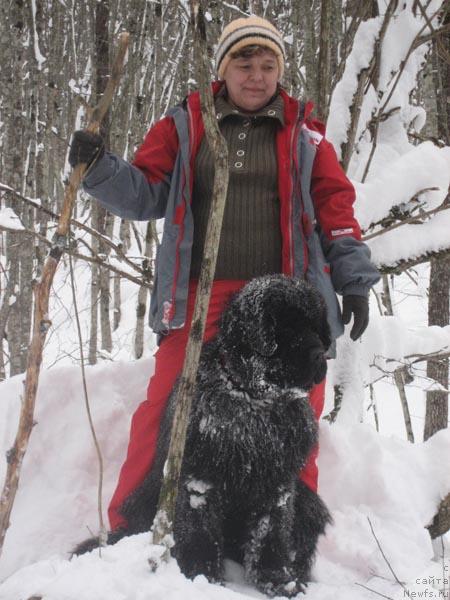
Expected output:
(291, 105)
(225, 108)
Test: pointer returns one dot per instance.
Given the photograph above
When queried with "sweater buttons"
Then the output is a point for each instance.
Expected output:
(238, 165)
(271, 113)
(240, 152)
(242, 136)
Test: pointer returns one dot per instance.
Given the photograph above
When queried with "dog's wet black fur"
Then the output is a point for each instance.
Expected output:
(251, 430)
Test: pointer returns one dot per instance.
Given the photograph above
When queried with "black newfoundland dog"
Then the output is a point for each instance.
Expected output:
(251, 430)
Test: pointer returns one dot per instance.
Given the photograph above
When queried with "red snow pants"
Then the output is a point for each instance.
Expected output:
(146, 420)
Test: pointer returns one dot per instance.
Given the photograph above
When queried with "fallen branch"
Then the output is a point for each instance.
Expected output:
(42, 322)
(165, 515)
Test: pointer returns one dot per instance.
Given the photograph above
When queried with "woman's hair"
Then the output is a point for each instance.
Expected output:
(252, 50)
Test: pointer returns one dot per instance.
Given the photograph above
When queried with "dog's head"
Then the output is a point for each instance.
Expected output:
(276, 329)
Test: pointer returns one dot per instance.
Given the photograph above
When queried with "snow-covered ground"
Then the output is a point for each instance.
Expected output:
(364, 475)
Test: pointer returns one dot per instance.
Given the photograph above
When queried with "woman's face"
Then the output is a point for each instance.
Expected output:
(251, 82)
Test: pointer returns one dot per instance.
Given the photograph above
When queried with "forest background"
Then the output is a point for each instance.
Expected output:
(379, 75)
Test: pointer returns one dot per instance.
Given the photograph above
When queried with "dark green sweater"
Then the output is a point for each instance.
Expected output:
(250, 243)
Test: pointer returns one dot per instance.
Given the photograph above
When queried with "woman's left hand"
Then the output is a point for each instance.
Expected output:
(358, 306)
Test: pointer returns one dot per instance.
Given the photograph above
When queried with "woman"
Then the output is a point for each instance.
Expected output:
(288, 209)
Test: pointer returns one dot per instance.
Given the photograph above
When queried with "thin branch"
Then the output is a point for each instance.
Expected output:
(378, 117)
(399, 378)
(93, 232)
(363, 13)
(404, 264)
(428, 357)
(384, 556)
(374, 591)
(433, 33)
(95, 259)
(438, 355)
(364, 77)
(102, 537)
(412, 219)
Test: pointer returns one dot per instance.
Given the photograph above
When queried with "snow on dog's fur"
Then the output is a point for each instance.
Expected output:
(250, 432)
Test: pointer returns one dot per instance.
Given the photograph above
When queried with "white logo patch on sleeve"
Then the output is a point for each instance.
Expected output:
(337, 232)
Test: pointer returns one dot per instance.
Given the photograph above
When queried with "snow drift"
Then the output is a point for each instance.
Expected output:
(364, 476)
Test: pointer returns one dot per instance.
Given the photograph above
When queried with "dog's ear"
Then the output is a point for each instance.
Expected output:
(261, 334)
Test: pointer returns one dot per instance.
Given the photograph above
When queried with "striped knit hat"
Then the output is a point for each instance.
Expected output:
(247, 32)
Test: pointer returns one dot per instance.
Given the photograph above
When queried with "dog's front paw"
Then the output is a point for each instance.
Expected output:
(280, 583)
(193, 562)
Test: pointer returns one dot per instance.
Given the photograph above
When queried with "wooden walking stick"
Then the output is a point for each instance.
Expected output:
(42, 322)
(165, 515)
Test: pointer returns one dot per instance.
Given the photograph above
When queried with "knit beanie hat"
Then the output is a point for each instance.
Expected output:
(248, 31)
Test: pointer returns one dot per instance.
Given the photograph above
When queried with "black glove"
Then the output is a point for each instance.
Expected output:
(85, 148)
(359, 307)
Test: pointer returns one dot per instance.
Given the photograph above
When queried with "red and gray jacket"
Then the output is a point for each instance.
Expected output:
(321, 238)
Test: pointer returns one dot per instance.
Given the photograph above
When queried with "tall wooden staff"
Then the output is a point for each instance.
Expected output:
(42, 322)
(165, 515)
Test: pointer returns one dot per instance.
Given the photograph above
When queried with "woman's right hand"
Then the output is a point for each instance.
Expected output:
(86, 147)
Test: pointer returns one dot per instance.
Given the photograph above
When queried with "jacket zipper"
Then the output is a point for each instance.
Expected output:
(292, 172)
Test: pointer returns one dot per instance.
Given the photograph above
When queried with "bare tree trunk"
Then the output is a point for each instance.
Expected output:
(296, 87)
(150, 238)
(373, 405)
(13, 61)
(436, 415)
(309, 49)
(93, 327)
(256, 7)
(323, 80)
(124, 236)
(4, 314)
(105, 289)
(401, 376)
(13, 325)
(100, 283)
